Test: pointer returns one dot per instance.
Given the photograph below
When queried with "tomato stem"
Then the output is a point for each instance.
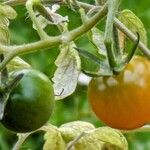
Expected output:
(90, 56)
(132, 51)
(43, 11)
(117, 49)
(29, 5)
(4, 72)
(13, 83)
(112, 9)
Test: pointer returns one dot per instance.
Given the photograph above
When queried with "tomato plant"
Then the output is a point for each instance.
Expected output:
(94, 38)
(123, 101)
(31, 102)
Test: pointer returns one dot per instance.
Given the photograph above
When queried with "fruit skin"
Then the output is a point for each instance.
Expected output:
(123, 101)
(30, 103)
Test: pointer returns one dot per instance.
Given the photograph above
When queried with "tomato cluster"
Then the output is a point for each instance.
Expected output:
(31, 102)
(123, 101)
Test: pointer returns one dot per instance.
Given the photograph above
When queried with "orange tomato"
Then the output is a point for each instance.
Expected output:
(123, 101)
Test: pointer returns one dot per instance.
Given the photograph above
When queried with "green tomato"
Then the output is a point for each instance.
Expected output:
(30, 103)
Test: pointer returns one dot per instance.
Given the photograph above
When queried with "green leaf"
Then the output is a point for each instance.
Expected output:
(131, 21)
(7, 11)
(53, 140)
(103, 65)
(68, 68)
(96, 37)
(102, 138)
(72, 129)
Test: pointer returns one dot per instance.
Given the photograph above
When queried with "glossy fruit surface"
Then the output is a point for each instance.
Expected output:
(123, 101)
(30, 103)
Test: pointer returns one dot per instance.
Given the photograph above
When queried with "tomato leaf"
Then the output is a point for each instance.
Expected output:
(17, 64)
(7, 11)
(97, 39)
(67, 72)
(54, 18)
(131, 21)
(72, 129)
(4, 34)
(53, 140)
(102, 138)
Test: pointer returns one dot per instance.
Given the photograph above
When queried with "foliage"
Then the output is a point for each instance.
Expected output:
(75, 106)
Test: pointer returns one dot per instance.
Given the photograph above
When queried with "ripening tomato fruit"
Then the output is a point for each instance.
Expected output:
(31, 102)
(123, 101)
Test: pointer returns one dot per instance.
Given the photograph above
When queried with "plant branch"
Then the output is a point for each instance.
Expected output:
(50, 42)
(13, 51)
(22, 2)
(72, 35)
(122, 28)
(14, 2)
(75, 33)
(41, 32)
(21, 139)
(132, 36)
(112, 9)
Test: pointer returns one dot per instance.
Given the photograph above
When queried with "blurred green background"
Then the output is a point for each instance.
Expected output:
(74, 107)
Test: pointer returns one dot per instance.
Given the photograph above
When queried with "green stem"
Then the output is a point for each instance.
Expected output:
(41, 32)
(132, 37)
(43, 11)
(13, 51)
(112, 9)
(117, 49)
(21, 139)
(15, 2)
(122, 28)
(50, 42)
(100, 2)
(4, 72)
(131, 52)
(86, 6)
(22, 2)
(72, 35)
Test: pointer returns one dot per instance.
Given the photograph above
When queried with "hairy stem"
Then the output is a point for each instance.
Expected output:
(21, 139)
(132, 37)
(86, 6)
(41, 32)
(53, 41)
(112, 9)
(15, 2)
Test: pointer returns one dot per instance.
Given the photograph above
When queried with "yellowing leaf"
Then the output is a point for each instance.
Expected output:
(53, 140)
(131, 21)
(102, 138)
(72, 129)
(7, 11)
(4, 35)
